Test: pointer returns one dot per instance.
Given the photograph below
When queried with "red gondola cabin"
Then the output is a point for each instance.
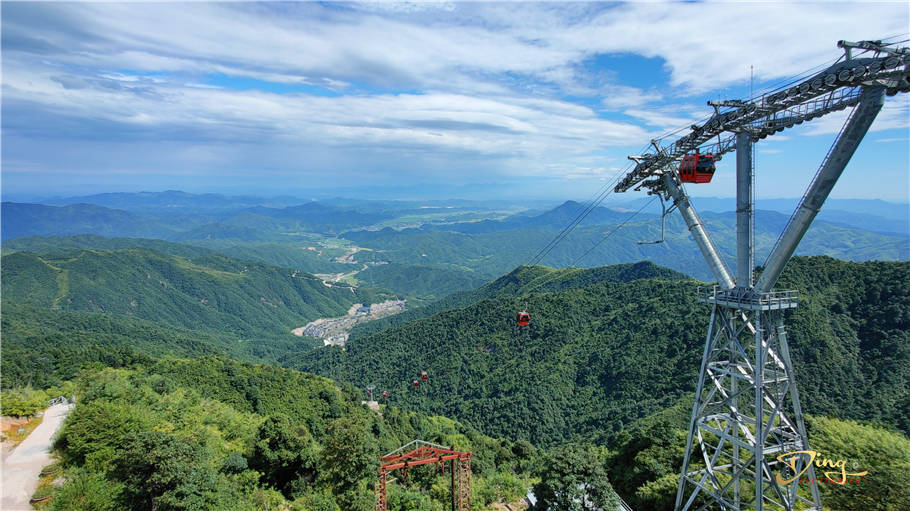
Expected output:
(697, 168)
(523, 318)
(385, 395)
(416, 383)
(424, 376)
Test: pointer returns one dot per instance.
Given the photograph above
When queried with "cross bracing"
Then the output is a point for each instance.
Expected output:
(747, 415)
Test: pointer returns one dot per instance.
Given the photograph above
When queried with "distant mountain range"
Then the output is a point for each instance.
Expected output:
(256, 223)
(174, 202)
(483, 242)
(495, 247)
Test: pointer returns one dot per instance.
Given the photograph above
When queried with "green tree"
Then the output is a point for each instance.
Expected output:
(573, 478)
(315, 501)
(161, 473)
(22, 402)
(884, 454)
(350, 455)
(87, 491)
(284, 454)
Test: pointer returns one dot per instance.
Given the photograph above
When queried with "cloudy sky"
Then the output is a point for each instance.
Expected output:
(392, 99)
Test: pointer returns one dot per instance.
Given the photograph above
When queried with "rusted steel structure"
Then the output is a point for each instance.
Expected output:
(417, 453)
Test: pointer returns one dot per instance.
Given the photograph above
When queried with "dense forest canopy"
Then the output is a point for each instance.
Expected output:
(148, 335)
(596, 357)
(212, 433)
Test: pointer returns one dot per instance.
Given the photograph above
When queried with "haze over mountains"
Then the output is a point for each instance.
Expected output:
(484, 238)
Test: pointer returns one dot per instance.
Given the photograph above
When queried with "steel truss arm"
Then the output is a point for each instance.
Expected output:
(831, 169)
(833, 89)
(681, 200)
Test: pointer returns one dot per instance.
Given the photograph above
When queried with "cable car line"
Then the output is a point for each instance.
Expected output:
(599, 198)
(627, 220)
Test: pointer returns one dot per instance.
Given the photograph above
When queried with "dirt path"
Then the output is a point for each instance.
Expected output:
(20, 470)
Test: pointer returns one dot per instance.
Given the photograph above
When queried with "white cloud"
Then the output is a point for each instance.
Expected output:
(618, 97)
(895, 114)
(476, 79)
(498, 126)
(704, 46)
(668, 117)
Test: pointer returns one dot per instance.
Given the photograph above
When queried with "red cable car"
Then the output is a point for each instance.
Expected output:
(523, 318)
(424, 376)
(416, 383)
(697, 168)
(385, 395)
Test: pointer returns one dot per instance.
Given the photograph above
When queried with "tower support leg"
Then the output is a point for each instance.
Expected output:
(747, 420)
(744, 215)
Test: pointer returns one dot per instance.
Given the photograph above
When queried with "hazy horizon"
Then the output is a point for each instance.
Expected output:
(614, 200)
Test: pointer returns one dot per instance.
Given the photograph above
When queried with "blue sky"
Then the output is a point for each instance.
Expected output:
(508, 99)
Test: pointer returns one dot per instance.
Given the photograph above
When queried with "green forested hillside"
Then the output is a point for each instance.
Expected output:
(58, 245)
(610, 359)
(597, 357)
(21, 219)
(525, 280)
(419, 284)
(210, 293)
(287, 254)
(217, 434)
(44, 347)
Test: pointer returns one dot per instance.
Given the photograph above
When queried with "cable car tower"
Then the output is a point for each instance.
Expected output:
(747, 415)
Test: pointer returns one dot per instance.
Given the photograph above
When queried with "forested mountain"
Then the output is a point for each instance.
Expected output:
(525, 280)
(277, 254)
(609, 359)
(419, 284)
(220, 435)
(600, 379)
(554, 219)
(481, 241)
(40, 220)
(315, 217)
(600, 356)
(245, 224)
(175, 202)
(494, 252)
(209, 293)
(57, 245)
(644, 460)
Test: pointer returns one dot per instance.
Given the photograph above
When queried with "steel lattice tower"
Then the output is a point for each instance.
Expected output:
(747, 413)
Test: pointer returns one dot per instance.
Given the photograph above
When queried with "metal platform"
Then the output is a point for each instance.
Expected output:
(746, 299)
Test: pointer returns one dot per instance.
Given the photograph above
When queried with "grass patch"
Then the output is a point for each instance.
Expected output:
(15, 435)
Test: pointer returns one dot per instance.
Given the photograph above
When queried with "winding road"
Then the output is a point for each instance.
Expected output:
(21, 468)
